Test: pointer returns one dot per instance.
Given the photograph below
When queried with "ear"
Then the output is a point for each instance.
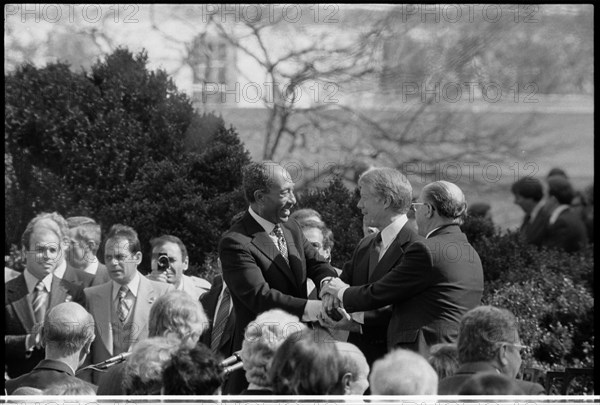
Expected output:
(346, 381)
(186, 263)
(137, 257)
(258, 195)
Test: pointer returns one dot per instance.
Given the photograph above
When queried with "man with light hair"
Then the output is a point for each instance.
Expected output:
(67, 335)
(356, 368)
(85, 236)
(437, 281)
(403, 372)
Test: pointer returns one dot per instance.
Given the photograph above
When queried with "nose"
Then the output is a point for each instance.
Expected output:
(292, 198)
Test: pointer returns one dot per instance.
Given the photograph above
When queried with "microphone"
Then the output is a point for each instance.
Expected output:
(234, 358)
(103, 365)
(231, 369)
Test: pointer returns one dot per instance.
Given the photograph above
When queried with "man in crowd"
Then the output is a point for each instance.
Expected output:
(29, 296)
(85, 237)
(175, 251)
(566, 229)
(385, 198)
(355, 367)
(488, 341)
(403, 372)
(121, 306)
(529, 195)
(436, 282)
(67, 334)
(266, 259)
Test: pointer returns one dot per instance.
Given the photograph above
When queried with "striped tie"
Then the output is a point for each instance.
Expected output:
(40, 302)
(123, 306)
(281, 245)
(220, 320)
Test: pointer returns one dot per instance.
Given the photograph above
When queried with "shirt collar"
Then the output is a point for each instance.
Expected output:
(133, 286)
(556, 213)
(432, 231)
(268, 226)
(389, 233)
(92, 268)
(59, 271)
(32, 281)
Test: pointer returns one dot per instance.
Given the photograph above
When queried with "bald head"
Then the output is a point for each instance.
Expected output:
(403, 372)
(355, 363)
(447, 199)
(68, 328)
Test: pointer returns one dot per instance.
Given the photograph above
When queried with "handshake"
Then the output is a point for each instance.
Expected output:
(332, 306)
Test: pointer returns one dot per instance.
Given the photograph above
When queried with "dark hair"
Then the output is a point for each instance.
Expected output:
(528, 187)
(490, 383)
(257, 176)
(443, 357)
(302, 366)
(479, 209)
(161, 240)
(557, 171)
(127, 233)
(195, 371)
(560, 188)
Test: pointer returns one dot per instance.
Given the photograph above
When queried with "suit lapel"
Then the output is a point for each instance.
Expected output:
(59, 292)
(21, 302)
(392, 255)
(145, 298)
(262, 241)
(101, 302)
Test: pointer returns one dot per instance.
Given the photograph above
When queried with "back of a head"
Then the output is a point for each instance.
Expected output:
(447, 199)
(143, 369)
(262, 338)
(479, 209)
(557, 171)
(490, 384)
(302, 366)
(177, 312)
(443, 357)
(354, 362)
(528, 187)
(560, 188)
(67, 329)
(481, 329)
(28, 391)
(192, 371)
(403, 372)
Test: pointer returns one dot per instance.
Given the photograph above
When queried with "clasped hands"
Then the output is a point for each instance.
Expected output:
(333, 315)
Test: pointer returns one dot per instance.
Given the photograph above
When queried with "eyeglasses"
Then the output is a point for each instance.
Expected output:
(517, 345)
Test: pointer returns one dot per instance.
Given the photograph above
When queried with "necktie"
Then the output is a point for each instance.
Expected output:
(123, 306)
(277, 231)
(40, 302)
(220, 320)
(374, 255)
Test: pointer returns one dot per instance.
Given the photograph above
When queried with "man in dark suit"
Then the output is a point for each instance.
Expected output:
(529, 195)
(83, 265)
(212, 301)
(265, 258)
(488, 341)
(30, 295)
(566, 229)
(67, 335)
(385, 198)
(437, 281)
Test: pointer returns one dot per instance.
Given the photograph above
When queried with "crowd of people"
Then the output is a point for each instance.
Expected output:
(402, 317)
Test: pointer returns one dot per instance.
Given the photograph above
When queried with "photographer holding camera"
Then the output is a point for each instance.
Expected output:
(169, 261)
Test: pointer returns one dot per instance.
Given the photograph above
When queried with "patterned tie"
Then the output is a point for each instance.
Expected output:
(374, 255)
(40, 302)
(281, 245)
(123, 305)
(220, 320)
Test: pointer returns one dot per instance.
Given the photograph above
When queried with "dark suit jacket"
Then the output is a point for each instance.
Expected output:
(19, 320)
(567, 233)
(258, 276)
(437, 281)
(209, 303)
(535, 232)
(372, 342)
(451, 385)
(45, 375)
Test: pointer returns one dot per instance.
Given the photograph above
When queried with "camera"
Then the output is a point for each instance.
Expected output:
(163, 262)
